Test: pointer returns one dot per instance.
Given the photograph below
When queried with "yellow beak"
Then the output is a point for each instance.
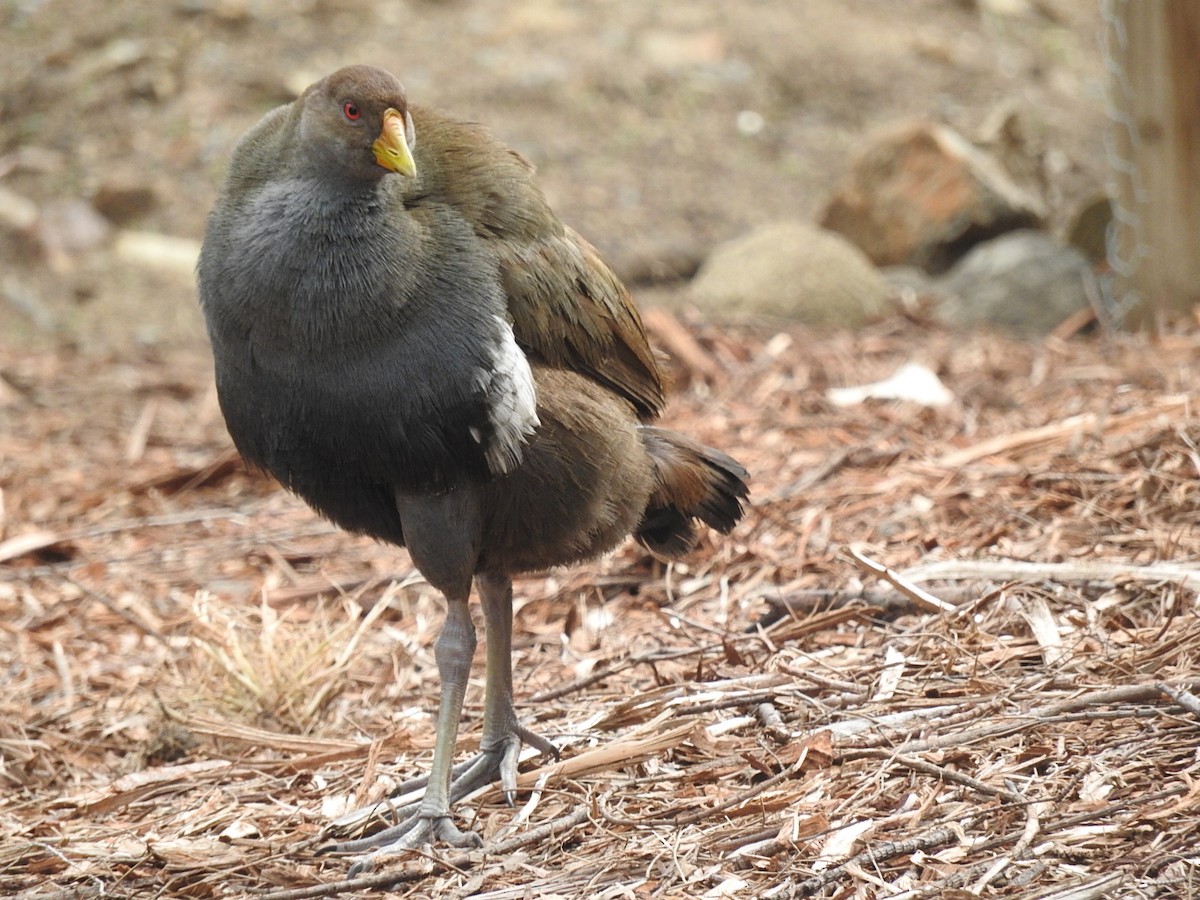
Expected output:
(391, 147)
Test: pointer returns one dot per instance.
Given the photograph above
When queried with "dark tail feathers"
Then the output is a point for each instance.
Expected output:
(691, 482)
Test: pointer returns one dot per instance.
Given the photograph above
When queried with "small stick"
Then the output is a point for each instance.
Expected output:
(1084, 704)
(702, 814)
(928, 768)
(773, 722)
(946, 834)
(1033, 827)
(135, 446)
(1097, 571)
(992, 873)
(1183, 697)
(921, 597)
(680, 343)
(145, 628)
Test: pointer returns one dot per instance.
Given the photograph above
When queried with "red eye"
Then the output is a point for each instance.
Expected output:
(351, 110)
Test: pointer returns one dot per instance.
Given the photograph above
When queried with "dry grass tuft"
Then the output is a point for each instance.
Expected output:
(271, 668)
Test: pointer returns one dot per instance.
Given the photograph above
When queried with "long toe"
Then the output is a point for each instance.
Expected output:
(482, 771)
(536, 741)
(510, 755)
(420, 830)
(468, 774)
(385, 838)
(507, 750)
(444, 829)
(413, 828)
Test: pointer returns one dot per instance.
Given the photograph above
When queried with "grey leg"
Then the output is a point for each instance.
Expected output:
(431, 820)
(454, 651)
(502, 735)
(442, 535)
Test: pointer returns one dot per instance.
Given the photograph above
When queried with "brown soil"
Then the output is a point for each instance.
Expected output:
(630, 110)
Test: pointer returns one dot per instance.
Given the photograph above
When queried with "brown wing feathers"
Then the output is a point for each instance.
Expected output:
(567, 307)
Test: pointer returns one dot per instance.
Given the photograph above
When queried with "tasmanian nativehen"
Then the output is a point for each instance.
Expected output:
(409, 339)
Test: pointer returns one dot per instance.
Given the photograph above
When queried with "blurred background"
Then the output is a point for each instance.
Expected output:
(659, 131)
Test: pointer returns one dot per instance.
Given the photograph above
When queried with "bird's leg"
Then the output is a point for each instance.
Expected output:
(454, 651)
(500, 746)
(442, 535)
(502, 734)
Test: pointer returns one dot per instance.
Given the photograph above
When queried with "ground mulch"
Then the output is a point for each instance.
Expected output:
(951, 651)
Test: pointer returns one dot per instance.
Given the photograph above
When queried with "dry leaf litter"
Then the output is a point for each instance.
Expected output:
(951, 652)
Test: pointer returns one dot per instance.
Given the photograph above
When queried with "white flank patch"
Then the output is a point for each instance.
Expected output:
(512, 402)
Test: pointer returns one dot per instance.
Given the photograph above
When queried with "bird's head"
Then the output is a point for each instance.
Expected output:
(356, 121)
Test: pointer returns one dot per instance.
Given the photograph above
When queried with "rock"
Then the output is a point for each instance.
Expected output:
(672, 50)
(663, 261)
(1089, 228)
(158, 251)
(923, 195)
(1007, 8)
(792, 270)
(1025, 283)
(18, 214)
(70, 226)
(122, 199)
(1016, 138)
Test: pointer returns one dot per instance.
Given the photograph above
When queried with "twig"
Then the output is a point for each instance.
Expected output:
(125, 614)
(991, 874)
(773, 722)
(40, 540)
(1104, 886)
(651, 657)
(868, 858)
(701, 814)
(928, 768)
(1033, 827)
(812, 477)
(135, 445)
(1184, 698)
(1058, 432)
(1019, 721)
(922, 598)
(681, 343)
(1096, 571)
(1082, 818)
(617, 753)
(883, 601)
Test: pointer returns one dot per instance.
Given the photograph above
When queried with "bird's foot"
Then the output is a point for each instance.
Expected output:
(421, 826)
(421, 829)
